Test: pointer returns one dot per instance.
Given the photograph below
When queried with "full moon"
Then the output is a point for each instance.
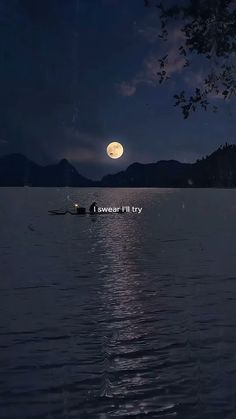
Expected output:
(115, 150)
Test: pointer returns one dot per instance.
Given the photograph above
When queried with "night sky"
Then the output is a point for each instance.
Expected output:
(77, 74)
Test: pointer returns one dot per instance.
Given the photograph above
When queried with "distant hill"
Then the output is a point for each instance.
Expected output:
(216, 170)
(17, 170)
(162, 174)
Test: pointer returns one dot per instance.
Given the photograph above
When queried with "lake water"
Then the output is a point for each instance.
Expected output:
(119, 315)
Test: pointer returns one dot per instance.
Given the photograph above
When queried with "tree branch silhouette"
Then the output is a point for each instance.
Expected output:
(208, 30)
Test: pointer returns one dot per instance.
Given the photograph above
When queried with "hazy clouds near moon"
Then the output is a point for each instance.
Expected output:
(115, 150)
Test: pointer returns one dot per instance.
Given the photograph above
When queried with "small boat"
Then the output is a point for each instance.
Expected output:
(78, 211)
(58, 212)
(82, 211)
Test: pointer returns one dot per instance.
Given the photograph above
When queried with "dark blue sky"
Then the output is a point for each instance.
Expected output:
(77, 74)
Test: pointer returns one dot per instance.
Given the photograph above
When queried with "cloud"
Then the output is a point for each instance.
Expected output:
(127, 88)
(148, 75)
(174, 64)
(197, 79)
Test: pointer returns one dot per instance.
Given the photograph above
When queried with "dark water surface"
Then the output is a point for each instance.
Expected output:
(121, 315)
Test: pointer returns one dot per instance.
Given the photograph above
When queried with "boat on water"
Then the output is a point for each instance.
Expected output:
(77, 211)
(58, 212)
(82, 211)
(93, 210)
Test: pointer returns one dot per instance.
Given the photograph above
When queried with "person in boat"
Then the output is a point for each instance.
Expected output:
(93, 209)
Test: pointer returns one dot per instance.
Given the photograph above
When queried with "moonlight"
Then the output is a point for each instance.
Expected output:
(115, 150)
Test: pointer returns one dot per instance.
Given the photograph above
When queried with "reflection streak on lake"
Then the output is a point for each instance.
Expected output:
(118, 315)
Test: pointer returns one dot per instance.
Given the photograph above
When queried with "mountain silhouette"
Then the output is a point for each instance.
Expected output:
(216, 170)
(17, 170)
(164, 173)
